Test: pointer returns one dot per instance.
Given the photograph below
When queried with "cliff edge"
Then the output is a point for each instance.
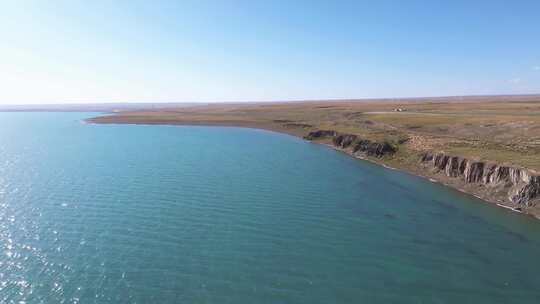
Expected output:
(511, 187)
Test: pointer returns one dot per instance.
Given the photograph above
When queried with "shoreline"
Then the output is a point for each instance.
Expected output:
(432, 180)
(236, 124)
(299, 135)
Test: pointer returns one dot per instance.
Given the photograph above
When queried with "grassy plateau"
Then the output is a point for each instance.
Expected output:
(503, 129)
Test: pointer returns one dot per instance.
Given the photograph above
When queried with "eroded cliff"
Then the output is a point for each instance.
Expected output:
(353, 144)
(517, 186)
(512, 187)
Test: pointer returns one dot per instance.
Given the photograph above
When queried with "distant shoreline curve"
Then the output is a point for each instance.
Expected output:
(283, 130)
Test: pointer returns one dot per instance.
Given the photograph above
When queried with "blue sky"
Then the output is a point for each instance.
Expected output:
(184, 51)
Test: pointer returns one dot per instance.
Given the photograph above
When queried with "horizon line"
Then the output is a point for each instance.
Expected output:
(270, 101)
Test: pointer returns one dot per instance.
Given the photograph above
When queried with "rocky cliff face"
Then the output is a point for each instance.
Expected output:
(512, 187)
(353, 144)
(522, 186)
(320, 134)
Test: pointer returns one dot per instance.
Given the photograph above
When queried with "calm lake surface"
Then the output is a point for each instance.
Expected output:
(164, 214)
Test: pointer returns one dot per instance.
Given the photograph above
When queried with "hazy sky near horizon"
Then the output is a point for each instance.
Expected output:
(185, 51)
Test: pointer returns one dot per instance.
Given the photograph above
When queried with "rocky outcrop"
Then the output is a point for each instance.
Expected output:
(521, 186)
(511, 187)
(353, 144)
(319, 134)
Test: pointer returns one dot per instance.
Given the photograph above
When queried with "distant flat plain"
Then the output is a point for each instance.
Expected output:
(504, 129)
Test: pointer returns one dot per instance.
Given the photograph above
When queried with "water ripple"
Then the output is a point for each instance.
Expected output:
(135, 214)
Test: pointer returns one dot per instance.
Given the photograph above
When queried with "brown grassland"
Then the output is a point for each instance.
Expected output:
(503, 129)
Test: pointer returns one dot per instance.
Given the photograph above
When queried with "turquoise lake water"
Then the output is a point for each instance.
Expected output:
(165, 214)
